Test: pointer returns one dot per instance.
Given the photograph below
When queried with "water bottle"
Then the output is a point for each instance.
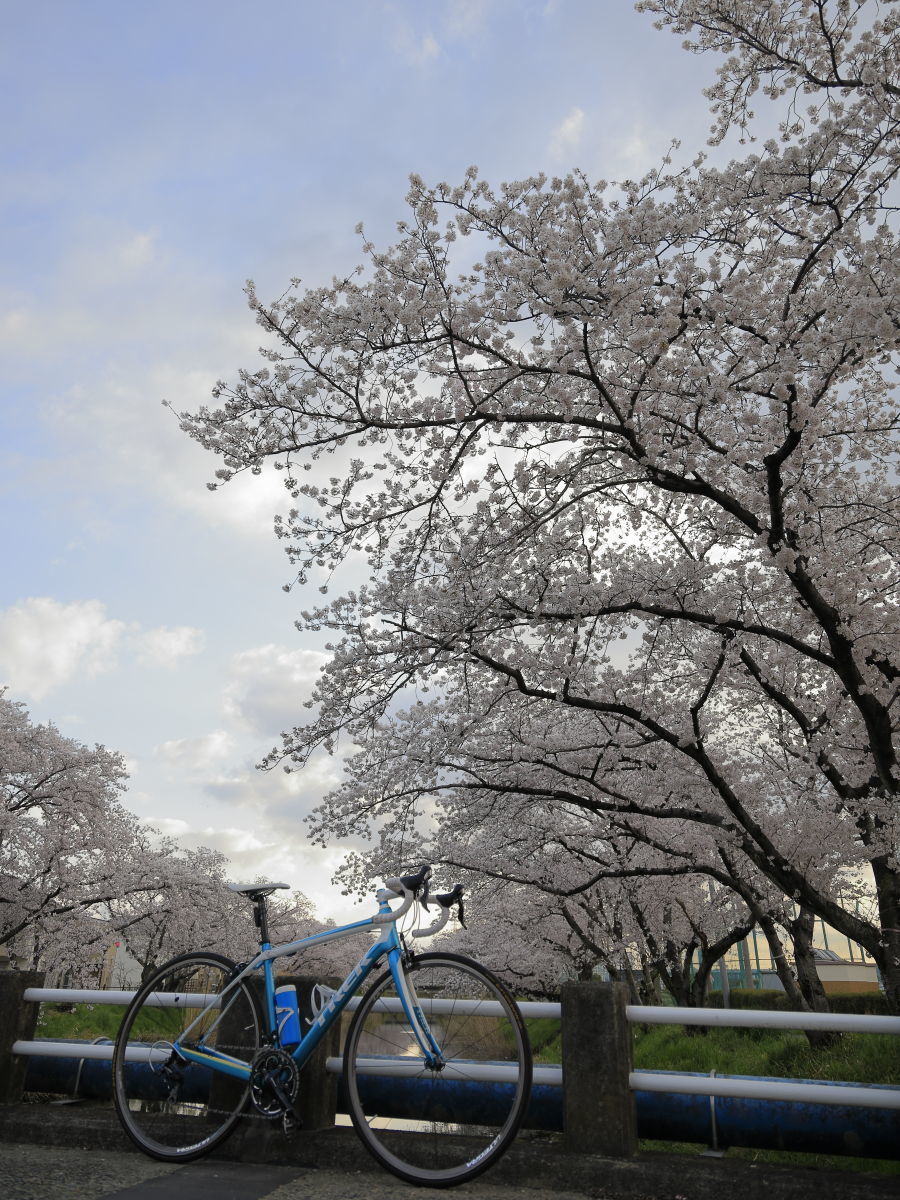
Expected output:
(287, 1014)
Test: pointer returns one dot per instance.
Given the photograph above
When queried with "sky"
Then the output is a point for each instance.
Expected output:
(153, 157)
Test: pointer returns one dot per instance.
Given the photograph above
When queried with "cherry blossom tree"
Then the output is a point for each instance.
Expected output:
(622, 461)
(645, 931)
(78, 870)
(63, 830)
(185, 905)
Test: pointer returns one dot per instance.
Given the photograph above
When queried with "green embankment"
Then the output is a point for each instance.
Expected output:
(89, 1021)
(856, 1057)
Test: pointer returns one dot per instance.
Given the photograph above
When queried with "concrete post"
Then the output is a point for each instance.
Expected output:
(235, 1035)
(598, 1103)
(18, 1020)
(316, 1101)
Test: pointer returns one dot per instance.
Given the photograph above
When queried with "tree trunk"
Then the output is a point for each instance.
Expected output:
(801, 931)
(781, 964)
(789, 980)
(887, 886)
(676, 975)
(649, 982)
(712, 954)
(626, 975)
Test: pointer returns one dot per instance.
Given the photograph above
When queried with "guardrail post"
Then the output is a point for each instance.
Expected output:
(18, 1021)
(316, 1103)
(598, 1103)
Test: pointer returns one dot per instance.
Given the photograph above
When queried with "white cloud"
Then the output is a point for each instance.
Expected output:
(269, 686)
(416, 49)
(43, 643)
(197, 754)
(466, 18)
(632, 155)
(247, 504)
(279, 854)
(14, 325)
(137, 251)
(163, 647)
(172, 827)
(567, 135)
(135, 442)
(91, 301)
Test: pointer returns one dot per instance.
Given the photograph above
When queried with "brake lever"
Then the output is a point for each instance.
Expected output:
(444, 901)
(455, 896)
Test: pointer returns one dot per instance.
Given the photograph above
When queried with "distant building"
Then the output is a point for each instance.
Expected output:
(842, 965)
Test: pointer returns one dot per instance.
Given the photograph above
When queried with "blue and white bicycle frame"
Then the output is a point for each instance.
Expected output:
(389, 946)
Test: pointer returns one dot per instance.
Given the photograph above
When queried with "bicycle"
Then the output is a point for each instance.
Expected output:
(204, 1043)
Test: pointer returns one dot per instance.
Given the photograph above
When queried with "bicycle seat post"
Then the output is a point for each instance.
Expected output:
(261, 920)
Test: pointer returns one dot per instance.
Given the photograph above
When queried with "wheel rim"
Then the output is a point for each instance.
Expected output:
(450, 1124)
(171, 1107)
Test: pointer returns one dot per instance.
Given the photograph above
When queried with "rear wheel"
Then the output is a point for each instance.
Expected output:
(173, 1108)
(440, 1125)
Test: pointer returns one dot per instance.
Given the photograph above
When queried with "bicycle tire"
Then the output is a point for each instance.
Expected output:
(174, 1109)
(441, 1127)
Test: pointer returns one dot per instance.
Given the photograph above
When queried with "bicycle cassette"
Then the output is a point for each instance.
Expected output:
(274, 1082)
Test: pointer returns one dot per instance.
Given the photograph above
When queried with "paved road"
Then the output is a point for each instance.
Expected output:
(28, 1172)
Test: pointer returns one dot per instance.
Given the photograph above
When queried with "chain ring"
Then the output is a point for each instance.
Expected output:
(271, 1065)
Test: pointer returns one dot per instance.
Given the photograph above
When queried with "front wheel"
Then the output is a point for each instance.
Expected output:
(173, 1108)
(442, 1124)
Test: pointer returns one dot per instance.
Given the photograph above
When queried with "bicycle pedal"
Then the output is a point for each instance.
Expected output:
(289, 1124)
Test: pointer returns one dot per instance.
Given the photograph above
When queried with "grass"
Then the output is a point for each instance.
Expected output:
(85, 1022)
(854, 1058)
(80, 1021)
(543, 1033)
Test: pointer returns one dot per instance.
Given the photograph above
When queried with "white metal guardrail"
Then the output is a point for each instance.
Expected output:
(41, 995)
(745, 1018)
(858, 1095)
(111, 996)
(551, 1075)
(641, 1014)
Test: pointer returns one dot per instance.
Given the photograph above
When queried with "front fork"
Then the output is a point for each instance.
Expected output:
(398, 958)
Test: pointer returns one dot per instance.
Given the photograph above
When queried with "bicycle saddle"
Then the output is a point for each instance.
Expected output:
(256, 891)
